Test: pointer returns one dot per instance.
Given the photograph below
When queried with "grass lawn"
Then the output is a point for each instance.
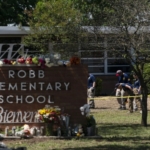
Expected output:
(119, 130)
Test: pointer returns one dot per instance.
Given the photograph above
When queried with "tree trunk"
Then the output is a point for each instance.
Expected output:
(144, 108)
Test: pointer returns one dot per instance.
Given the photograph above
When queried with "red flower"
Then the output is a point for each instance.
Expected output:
(75, 60)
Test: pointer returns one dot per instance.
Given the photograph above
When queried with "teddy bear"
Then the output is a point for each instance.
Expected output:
(79, 131)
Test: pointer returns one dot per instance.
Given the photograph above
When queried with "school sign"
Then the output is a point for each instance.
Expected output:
(25, 89)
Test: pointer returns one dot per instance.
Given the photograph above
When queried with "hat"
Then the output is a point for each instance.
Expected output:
(118, 73)
(117, 85)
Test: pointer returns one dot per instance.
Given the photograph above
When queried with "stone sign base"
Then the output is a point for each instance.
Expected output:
(26, 89)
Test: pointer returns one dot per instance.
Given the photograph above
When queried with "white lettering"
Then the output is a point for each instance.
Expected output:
(7, 99)
(21, 76)
(1, 112)
(12, 87)
(19, 99)
(31, 74)
(49, 87)
(57, 86)
(18, 116)
(42, 98)
(66, 85)
(11, 73)
(27, 115)
(2, 86)
(32, 86)
(31, 97)
(9, 116)
(23, 86)
(41, 85)
(49, 99)
(1, 99)
(5, 115)
(40, 74)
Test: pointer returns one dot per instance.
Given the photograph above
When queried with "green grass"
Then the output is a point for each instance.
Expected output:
(120, 130)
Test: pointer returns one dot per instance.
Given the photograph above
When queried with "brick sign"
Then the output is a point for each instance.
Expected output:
(25, 89)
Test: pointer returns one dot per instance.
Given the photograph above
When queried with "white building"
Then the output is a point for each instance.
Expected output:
(99, 58)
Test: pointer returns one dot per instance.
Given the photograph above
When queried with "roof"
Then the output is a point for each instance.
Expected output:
(24, 30)
(14, 30)
(115, 30)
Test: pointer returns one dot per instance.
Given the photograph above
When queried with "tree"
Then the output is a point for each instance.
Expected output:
(130, 24)
(94, 11)
(16, 11)
(54, 21)
(126, 25)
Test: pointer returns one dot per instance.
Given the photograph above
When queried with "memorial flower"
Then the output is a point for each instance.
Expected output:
(75, 60)
(49, 114)
(21, 60)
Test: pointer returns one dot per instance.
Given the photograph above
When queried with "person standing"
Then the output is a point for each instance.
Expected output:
(137, 92)
(122, 78)
(128, 90)
(91, 89)
(91, 86)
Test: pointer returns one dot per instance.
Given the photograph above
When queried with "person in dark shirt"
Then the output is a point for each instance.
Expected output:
(122, 78)
(91, 85)
(125, 86)
(128, 90)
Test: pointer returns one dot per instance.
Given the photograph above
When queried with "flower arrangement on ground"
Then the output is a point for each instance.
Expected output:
(49, 114)
(51, 117)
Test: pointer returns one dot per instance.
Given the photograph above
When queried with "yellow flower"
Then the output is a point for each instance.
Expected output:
(42, 111)
(47, 111)
(78, 134)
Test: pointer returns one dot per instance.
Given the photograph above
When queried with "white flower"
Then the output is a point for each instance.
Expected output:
(60, 62)
(66, 62)
(58, 109)
(47, 60)
(51, 118)
(1, 62)
(57, 56)
(45, 116)
(37, 116)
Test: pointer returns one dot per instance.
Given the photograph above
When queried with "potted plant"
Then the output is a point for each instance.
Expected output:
(90, 125)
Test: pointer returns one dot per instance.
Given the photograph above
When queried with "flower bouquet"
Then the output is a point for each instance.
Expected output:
(49, 114)
(75, 60)
(51, 117)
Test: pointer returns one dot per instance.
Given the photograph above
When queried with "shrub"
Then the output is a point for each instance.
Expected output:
(90, 121)
(98, 87)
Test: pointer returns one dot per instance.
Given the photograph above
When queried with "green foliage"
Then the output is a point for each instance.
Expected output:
(146, 74)
(53, 21)
(144, 70)
(49, 129)
(98, 87)
(90, 121)
(16, 11)
(94, 11)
